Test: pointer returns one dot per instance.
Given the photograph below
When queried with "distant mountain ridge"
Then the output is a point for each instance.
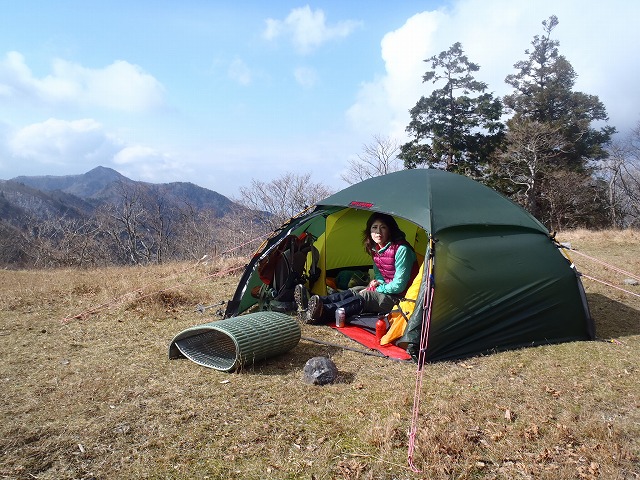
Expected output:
(104, 218)
(85, 185)
(19, 202)
(79, 195)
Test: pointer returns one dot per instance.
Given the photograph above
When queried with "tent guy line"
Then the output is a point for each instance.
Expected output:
(609, 285)
(612, 267)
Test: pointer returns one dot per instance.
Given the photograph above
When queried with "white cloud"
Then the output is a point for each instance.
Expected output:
(118, 86)
(382, 105)
(306, 76)
(273, 29)
(240, 72)
(148, 164)
(308, 29)
(495, 35)
(60, 142)
(79, 145)
(135, 154)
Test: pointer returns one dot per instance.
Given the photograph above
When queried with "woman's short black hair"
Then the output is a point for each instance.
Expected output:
(395, 234)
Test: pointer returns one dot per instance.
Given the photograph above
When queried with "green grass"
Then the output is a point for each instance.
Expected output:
(97, 397)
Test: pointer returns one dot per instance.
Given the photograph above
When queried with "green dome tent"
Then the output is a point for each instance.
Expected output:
(498, 281)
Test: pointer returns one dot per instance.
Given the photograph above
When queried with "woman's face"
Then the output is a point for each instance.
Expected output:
(380, 233)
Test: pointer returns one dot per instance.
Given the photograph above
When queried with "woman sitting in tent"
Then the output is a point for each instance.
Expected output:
(394, 267)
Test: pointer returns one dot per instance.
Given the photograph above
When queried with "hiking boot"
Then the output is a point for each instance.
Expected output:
(313, 313)
(302, 297)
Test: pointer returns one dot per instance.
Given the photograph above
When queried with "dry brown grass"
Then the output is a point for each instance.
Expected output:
(96, 396)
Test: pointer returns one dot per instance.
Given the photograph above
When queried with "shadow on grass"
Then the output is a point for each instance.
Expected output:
(612, 318)
(304, 351)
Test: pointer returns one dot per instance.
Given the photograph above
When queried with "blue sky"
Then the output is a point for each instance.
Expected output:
(220, 93)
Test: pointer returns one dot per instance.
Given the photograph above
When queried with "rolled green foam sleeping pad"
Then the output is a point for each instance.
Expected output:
(229, 344)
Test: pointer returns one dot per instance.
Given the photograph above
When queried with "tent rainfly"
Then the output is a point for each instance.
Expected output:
(493, 279)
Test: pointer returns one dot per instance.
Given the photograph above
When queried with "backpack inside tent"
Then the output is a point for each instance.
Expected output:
(493, 277)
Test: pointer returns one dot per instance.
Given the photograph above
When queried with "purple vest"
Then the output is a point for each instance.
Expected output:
(386, 262)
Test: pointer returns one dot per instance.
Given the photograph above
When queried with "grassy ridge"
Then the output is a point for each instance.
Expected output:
(97, 397)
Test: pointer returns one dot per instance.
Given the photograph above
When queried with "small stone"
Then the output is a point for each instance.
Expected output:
(630, 281)
(319, 371)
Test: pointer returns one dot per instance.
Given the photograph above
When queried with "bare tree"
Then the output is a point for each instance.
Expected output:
(61, 242)
(282, 198)
(235, 234)
(13, 245)
(621, 172)
(529, 170)
(377, 158)
(612, 171)
(162, 227)
(124, 223)
(196, 232)
(572, 200)
(527, 161)
(240, 233)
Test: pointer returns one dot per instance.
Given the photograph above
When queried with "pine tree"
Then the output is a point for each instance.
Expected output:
(544, 101)
(458, 125)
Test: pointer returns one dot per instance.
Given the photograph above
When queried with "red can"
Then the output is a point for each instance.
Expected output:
(340, 317)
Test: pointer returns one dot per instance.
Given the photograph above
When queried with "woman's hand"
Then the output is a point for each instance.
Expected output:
(373, 284)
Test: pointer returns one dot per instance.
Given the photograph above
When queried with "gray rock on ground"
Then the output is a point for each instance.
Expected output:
(319, 371)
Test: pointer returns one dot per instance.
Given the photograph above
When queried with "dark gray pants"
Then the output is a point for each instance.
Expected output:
(357, 300)
(375, 302)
